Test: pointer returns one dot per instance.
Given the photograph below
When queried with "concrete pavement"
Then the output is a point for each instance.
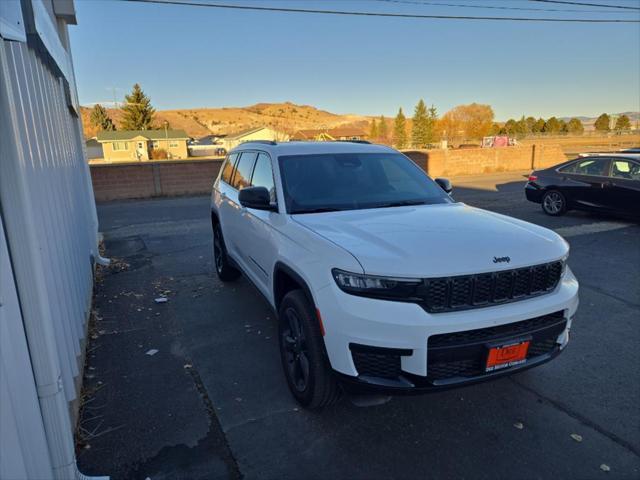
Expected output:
(213, 402)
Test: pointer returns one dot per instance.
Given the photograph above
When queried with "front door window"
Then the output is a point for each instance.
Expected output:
(625, 169)
(589, 166)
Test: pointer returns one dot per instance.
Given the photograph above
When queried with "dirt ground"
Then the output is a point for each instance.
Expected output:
(589, 143)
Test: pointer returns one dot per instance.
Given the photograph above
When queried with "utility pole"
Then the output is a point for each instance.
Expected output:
(166, 136)
(114, 94)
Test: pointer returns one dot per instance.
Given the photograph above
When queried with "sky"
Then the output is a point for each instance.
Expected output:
(194, 57)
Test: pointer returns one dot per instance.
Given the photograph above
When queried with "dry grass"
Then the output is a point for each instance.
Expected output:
(588, 143)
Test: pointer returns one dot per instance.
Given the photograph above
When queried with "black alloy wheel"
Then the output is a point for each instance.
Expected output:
(225, 271)
(302, 351)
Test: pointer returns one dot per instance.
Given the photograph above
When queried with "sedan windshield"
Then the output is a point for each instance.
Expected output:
(352, 181)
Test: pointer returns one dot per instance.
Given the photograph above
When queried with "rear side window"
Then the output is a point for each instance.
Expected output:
(588, 166)
(242, 175)
(227, 168)
(263, 175)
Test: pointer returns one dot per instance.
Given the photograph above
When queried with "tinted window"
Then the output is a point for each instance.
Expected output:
(588, 166)
(568, 168)
(397, 177)
(242, 175)
(625, 169)
(263, 175)
(227, 168)
(350, 181)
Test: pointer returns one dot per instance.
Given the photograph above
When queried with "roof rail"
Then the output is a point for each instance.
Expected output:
(355, 141)
(265, 142)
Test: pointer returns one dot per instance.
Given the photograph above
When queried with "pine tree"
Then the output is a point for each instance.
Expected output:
(432, 123)
(419, 131)
(137, 111)
(602, 123)
(373, 131)
(400, 130)
(383, 129)
(516, 128)
(623, 123)
(99, 118)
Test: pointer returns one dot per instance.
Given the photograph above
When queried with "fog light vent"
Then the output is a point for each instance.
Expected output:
(378, 361)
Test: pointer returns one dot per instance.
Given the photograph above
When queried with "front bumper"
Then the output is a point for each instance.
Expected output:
(407, 329)
(407, 384)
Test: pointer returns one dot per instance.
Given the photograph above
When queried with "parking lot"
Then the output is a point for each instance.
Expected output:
(193, 388)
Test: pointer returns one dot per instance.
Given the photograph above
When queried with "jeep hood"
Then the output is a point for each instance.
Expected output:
(435, 240)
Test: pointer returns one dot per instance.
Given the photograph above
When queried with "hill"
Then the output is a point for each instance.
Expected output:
(286, 116)
(198, 122)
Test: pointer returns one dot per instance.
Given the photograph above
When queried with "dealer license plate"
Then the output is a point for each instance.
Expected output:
(507, 355)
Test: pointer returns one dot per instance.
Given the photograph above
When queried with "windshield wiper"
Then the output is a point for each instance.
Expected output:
(317, 210)
(400, 203)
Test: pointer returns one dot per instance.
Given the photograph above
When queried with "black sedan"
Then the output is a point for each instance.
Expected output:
(599, 182)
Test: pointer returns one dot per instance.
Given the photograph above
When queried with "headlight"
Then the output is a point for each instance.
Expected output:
(399, 289)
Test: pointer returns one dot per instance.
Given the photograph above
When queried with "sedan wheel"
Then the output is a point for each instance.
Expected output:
(554, 203)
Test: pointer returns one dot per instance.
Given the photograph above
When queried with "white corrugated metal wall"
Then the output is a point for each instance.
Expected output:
(49, 241)
(54, 169)
(20, 419)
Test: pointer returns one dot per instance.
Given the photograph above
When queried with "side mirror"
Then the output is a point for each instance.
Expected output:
(256, 197)
(445, 184)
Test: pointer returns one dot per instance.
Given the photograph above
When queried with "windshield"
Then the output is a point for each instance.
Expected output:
(352, 181)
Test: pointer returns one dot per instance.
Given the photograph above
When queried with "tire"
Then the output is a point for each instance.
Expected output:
(221, 263)
(554, 203)
(304, 359)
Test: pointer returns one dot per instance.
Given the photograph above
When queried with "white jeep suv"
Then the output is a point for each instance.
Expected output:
(380, 280)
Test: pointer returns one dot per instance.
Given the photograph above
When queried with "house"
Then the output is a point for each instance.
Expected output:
(259, 133)
(207, 146)
(208, 140)
(48, 242)
(93, 148)
(140, 144)
(331, 134)
(347, 133)
(311, 135)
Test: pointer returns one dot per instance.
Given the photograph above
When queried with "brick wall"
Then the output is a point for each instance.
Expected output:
(473, 161)
(118, 181)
